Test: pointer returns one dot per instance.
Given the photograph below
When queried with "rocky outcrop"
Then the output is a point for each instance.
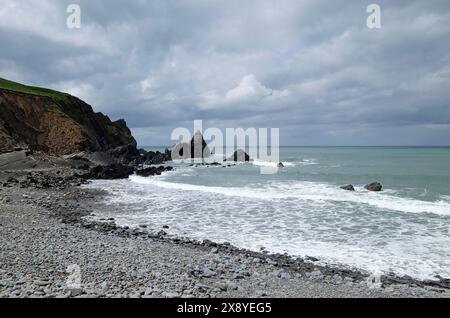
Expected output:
(111, 172)
(154, 158)
(167, 155)
(124, 154)
(349, 187)
(196, 149)
(59, 124)
(118, 171)
(153, 171)
(181, 151)
(374, 186)
(239, 156)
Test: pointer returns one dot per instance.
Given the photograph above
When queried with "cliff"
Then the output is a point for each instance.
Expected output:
(57, 123)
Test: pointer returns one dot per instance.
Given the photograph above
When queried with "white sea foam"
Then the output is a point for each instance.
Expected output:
(304, 162)
(307, 162)
(300, 211)
(302, 218)
(237, 192)
(311, 191)
(271, 164)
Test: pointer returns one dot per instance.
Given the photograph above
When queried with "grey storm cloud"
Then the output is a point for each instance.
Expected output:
(311, 68)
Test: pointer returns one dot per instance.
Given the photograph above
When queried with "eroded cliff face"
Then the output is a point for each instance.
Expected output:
(58, 125)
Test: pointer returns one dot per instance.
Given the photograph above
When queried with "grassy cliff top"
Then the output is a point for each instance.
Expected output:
(17, 87)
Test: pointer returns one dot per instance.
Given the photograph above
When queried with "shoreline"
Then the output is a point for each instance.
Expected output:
(225, 270)
(298, 264)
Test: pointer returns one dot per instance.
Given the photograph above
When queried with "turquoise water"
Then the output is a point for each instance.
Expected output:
(416, 172)
(302, 211)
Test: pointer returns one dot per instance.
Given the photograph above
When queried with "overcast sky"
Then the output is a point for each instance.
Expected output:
(311, 68)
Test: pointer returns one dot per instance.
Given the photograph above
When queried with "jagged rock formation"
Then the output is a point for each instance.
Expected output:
(196, 149)
(199, 148)
(154, 158)
(153, 171)
(111, 172)
(58, 124)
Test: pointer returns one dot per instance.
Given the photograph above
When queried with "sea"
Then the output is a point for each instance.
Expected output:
(302, 211)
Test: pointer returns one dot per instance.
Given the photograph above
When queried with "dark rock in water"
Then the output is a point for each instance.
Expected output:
(153, 171)
(197, 148)
(348, 187)
(167, 155)
(374, 186)
(239, 156)
(280, 165)
(111, 172)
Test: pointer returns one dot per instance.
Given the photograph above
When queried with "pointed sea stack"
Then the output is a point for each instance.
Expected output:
(197, 148)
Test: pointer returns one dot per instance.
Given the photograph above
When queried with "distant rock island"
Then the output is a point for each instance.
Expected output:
(197, 148)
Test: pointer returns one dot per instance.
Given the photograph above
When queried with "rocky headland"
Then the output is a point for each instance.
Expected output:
(42, 128)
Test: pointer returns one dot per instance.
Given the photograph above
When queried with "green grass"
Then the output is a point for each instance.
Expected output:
(17, 87)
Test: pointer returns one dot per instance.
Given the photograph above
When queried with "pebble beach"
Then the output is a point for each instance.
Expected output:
(44, 236)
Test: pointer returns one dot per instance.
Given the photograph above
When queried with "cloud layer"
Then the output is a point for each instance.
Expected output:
(311, 68)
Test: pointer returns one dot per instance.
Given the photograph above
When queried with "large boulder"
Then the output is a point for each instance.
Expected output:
(349, 187)
(239, 156)
(374, 186)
